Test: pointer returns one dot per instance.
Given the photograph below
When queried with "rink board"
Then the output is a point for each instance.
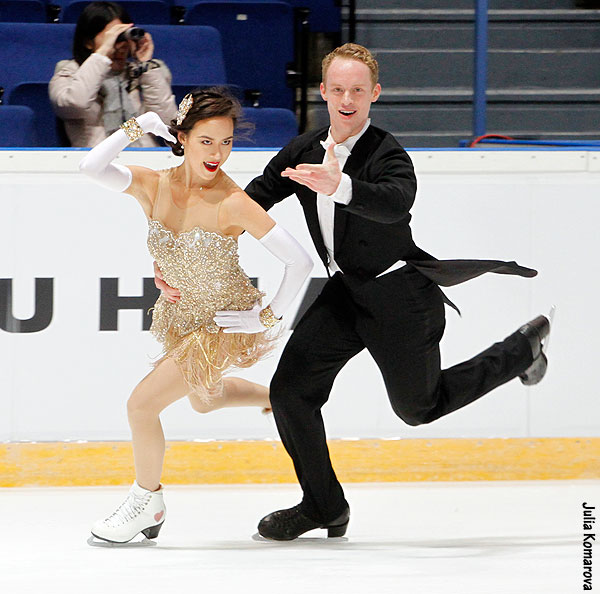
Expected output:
(70, 380)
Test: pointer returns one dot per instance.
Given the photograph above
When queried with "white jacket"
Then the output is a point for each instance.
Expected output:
(74, 95)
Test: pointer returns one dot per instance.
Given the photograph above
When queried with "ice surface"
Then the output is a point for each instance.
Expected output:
(408, 538)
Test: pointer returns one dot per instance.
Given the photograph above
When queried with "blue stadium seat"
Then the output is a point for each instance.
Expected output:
(141, 11)
(325, 15)
(48, 129)
(22, 11)
(258, 44)
(193, 54)
(32, 51)
(16, 126)
(180, 91)
(274, 127)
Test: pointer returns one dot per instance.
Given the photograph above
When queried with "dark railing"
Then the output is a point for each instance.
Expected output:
(351, 21)
(480, 68)
(297, 72)
(304, 31)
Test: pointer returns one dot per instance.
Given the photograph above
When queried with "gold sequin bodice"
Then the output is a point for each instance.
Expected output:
(204, 266)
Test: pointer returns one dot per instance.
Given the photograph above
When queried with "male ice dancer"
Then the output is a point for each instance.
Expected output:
(356, 185)
(382, 294)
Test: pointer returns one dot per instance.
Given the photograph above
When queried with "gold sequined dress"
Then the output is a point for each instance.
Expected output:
(204, 266)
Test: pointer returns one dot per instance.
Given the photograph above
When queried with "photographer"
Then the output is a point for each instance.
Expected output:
(112, 78)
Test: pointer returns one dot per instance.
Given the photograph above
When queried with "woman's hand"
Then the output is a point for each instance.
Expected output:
(171, 294)
(109, 39)
(151, 122)
(144, 49)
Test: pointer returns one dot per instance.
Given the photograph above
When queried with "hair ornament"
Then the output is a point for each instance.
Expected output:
(184, 107)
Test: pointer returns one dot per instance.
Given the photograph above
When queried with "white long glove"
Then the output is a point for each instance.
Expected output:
(298, 265)
(98, 165)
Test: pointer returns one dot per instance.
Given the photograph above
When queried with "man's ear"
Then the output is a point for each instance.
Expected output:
(376, 93)
(323, 92)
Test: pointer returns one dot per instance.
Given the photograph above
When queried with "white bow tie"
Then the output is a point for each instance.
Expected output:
(339, 150)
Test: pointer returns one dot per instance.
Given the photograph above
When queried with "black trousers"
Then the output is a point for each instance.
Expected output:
(400, 319)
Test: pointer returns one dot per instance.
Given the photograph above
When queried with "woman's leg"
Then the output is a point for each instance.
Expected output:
(162, 386)
(236, 392)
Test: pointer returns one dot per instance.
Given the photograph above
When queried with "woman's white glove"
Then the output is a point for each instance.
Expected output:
(298, 265)
(245, 322)
(151, 122)
(98, 165)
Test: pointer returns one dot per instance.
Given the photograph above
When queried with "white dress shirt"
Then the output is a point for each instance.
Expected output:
(343, 195)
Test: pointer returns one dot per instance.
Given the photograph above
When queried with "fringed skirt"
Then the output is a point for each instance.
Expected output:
(204, 357)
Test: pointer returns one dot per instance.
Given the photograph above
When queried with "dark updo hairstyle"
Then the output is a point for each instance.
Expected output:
(93, 19)
(213, 102)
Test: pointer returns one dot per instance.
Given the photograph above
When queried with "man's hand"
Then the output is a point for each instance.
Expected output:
(172, 295)
(323, 179)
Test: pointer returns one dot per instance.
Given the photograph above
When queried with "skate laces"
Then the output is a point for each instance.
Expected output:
(130, 509)
(289, 517)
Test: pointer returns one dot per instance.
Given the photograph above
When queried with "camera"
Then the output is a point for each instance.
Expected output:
(132, 34)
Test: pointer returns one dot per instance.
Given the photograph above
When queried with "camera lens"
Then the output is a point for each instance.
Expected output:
(136, 34)
(131, 34)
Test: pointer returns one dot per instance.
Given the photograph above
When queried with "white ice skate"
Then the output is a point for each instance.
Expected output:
(143, 511)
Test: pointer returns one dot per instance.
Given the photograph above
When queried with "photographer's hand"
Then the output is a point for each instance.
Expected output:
(144, 49)
(109, 38)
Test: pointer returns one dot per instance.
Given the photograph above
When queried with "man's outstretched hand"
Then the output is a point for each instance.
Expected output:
(323, 179)
(172, 295)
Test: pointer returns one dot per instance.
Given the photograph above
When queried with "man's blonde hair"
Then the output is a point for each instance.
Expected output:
(352, 51)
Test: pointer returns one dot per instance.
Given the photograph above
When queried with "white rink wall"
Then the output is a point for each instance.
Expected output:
(70, 380)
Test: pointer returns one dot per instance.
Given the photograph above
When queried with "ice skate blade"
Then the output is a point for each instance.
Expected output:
(301, 540)
(94, 541)
(550, 317)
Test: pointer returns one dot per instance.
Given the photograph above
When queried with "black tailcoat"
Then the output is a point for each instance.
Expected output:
(373, 231)
(398, 317)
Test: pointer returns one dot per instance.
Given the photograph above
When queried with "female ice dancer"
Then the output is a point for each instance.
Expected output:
(195, 214)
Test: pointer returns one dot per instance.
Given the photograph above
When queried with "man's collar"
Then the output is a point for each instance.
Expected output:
(352, 140)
